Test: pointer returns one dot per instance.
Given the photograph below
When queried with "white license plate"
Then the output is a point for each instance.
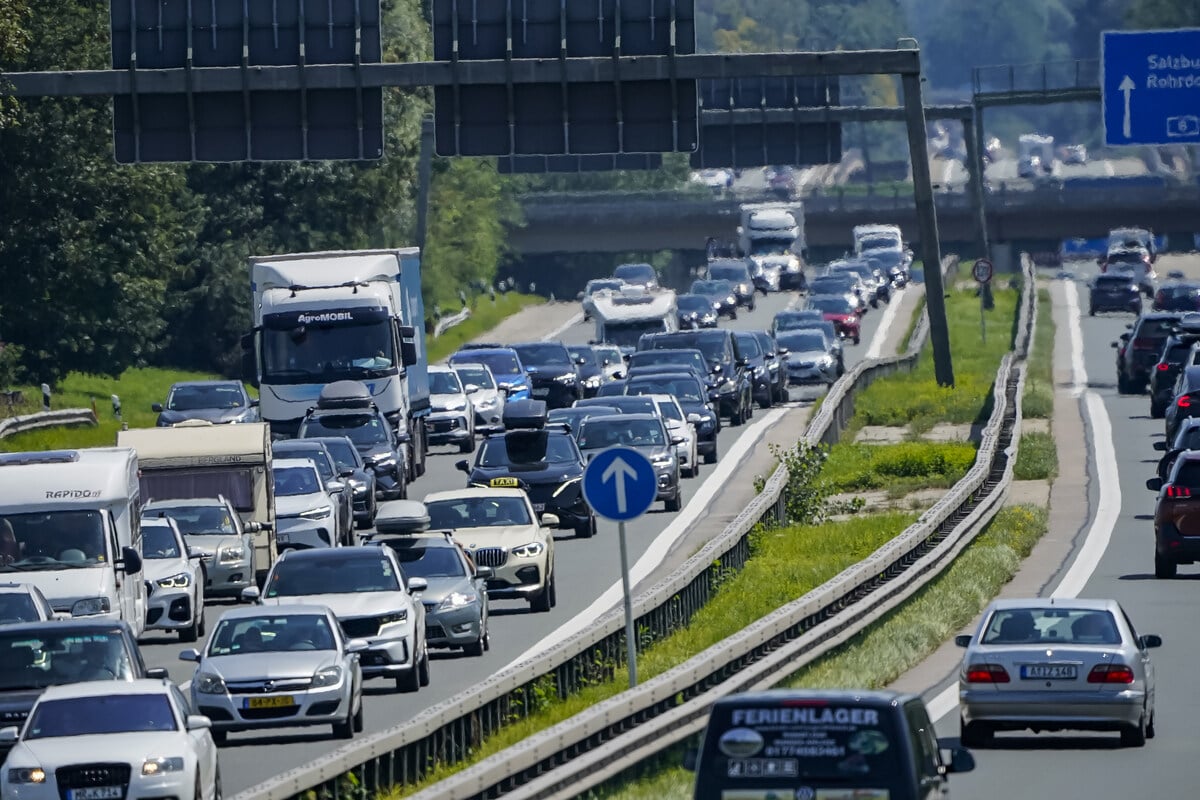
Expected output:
(541, 392)
(95, 793)
(1052, 672)
(539, 508)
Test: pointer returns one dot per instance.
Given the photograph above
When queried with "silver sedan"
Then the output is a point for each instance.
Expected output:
(1051, 665)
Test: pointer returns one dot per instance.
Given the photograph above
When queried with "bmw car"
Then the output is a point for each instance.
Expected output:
(505, 365)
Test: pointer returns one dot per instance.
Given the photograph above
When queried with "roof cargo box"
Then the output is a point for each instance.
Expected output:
(527, 414)
(402, 516)
(345, 394)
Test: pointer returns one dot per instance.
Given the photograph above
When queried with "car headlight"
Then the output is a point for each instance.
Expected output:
(728, 386)
(662, 459)
(592, 382)
(568, 379)
(386, 463)
(457, 600)
(321, 512)
(731, 300)
(231, 553)
(180, 580)
(329, 676)
(208, 683)
(716, 305)
(157, 766)
(90, 606)
(27, 775)
(394, 618)
(565, 485)
(455, 405)
(360, 488)
(531, 550)
(826, 361)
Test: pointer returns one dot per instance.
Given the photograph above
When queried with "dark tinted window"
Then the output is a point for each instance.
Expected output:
(86, 716)
(693, 302)
(1112, 281)
(748, 344)
(1176, 354)
(316, 454)
(543, 354)
(430, 562)
(1188, 474)
(526, 448)
(1156, 327)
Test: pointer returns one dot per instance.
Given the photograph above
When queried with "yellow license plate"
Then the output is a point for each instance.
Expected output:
(277, 701)
(504, 483)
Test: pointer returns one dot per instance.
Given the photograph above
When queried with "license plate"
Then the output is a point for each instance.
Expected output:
(539, 508)
(95, 793)
(1052, 672)
(541, 392)
(276, 701)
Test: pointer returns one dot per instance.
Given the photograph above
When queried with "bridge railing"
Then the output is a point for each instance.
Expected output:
(1045, 77)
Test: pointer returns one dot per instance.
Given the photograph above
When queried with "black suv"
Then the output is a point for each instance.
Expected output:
(543, 459)
(684, 385)
(724, 357)
(1115, 292)
(345, 408)
(738, 274)
(553, 372)
(1175, 355)
(763, 386)
(1139, 348)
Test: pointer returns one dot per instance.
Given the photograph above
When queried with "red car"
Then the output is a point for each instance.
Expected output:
(841, 311)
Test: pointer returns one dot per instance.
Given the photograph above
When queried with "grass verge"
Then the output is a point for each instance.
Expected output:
(1037, 458)
(1038, 401)
(902, 639)
(786, 563)
(485, 315)
(901, 468)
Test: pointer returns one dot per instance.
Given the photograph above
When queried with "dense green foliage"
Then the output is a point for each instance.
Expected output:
(107, 267)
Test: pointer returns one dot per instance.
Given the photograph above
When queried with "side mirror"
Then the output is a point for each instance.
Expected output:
(249, 360)
(131, 561)
(192, 554)
(741, 362)
(677, 440)
(618, 376)
(9, 735)
(1154, 484)
(769, 356)
(254, 527)
(471, 388)
(408, 345)
(1160, 446)
(1150, 640)
(157, 673)
(255, 402)
(550, 521)
(335, 487)
(485, 573)
(716, 370)
(251, 594)
(695, 419)
(783, 351)
(581, 361)
(417, 585)
(346, 473)
(357, 645)
(690, 758)
(196, 722)
(1116, 344)
(156, 407)
(463, 466)
(960, 761)
(191, 654)
(962, 640)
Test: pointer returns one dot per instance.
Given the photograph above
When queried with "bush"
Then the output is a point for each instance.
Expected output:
(1037, 458)
(11, 372)
(908, 465)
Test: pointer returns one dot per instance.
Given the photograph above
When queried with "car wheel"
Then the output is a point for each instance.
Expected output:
(767, 401)
(752, 305)
(1122, 384)
(676, 502)
(359, 724)
(856, 338)
(586, 529)
(1157, 411)
(192, 632)
(423, 669)
(408, 682)
(1092, 311)
(733, 315)
(344, 730)
(197, 791)
(1135, 736)
(1150, 732)
(711, 458)
(476, 647)
(542, 602)
(736, 418)
(974, 734)
(1164, 567)
(218, 793)
(694, 472)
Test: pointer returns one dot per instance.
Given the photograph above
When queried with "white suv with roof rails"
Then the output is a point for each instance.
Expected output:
(305, 514)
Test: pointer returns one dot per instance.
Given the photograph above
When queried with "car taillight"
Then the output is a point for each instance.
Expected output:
(986, 673)
(1163, 367)
(1144, 344)
(1110, 673)
(1184, 402)
(1174, 491)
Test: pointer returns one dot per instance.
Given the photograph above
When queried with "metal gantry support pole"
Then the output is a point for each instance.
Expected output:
(976, 171)
(630, 638)
(935, 301)
(424, 176)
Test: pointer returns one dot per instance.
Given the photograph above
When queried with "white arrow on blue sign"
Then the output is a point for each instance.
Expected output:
(1149, 82)
(619, 484)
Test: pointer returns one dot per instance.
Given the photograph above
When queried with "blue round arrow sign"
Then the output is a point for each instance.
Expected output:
(619, 484)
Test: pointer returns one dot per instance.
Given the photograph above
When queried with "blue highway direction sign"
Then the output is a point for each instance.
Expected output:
(1150, 86)
(619, 484)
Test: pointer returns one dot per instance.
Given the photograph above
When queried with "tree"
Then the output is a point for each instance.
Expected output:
(1164, 14)
(14, 42)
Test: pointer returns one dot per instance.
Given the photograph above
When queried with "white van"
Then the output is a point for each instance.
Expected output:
(70, 525)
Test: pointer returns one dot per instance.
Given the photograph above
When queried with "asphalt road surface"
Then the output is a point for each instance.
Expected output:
(1120, 459)
(253, 757)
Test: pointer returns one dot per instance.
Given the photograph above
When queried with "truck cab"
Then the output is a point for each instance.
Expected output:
(70, 525)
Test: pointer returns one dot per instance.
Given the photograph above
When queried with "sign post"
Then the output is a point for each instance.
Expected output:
(1148, 85)
(619, 484)
(982, 273)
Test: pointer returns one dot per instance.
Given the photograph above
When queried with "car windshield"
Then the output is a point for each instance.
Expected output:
(879, 243)
(17, 607)
(1181, 291)
(831, 305)
(526, 448)
(602, 286)
(682, 388)
(285, 633)
(500, 362)
(802, 341)
(314, 453)
(292, 481)
(1125, 257)
(832, 284)
(158, 541)
(1112, 282)
(598, 433)
(1188, 439)
(476, 376)
(586, 353)
(362, 429)
(544, 354)
(1156, 328)
(693, 302)
(635, 273)
(333, 573)
(886, 258)
(686, 358)
(748, 345)
(444, 383)
(728, 272)
(670, 410)
(771, 247)
(200, 520)
(441, 561)
(712, 288)
(488, 511)
(343, 452)
(52, 540)
(193, 397)
(1052, 625)
(48, 657)
(102, 715)
(712, 344)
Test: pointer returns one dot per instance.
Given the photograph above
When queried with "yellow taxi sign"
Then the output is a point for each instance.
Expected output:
(504, 483)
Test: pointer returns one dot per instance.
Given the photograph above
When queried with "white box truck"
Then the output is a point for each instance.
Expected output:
(70, 525)
(335, 316)
(200, 460)
(623, 317)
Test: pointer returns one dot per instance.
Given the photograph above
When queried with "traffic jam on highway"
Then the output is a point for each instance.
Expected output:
(293, 513)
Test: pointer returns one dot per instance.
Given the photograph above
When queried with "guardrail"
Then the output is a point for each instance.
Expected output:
(450, 731)
(446, 323)
(615, 734)
(47, 419)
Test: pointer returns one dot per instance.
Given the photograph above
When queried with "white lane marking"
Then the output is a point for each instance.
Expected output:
(661, 546)
(885, 324)
(561, 329)
(1078, 370)
(1087, 560)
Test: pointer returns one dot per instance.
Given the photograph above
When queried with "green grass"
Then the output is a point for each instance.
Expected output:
(786, 563)
(916, 400)
(899, 468)
(485, 315)
(902, 639)
(137, 388)
(912, 326)
(1037, 458)
(1038, 402)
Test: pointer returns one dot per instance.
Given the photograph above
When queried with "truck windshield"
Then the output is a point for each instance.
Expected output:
(771, 247)
(626, 334)
(879, 243)
(325, 353)
(51, 540)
